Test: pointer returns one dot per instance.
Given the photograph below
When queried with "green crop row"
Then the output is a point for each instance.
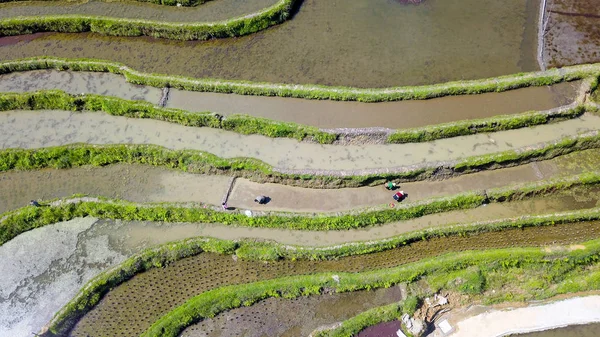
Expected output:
(474, 126)
(16, 222)
(557, 265)
(157, 257)
(160, 256)
(244, 124)
(497, 84)
(75, 23)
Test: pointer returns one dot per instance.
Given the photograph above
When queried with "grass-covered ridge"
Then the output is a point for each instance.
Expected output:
(15, 222)
(75, 23)
(493, 124)
(162, 255)
(502, 83)
(76, 155)
(562, 271)
(244, 124)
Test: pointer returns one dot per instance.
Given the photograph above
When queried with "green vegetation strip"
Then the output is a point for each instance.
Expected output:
(75, 23)
(244, 124)
(497, 84)
(202, 162)
(556, 267)
(160, 256)
(18, 221)
(474, 126)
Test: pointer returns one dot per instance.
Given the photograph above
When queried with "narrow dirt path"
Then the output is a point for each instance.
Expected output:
(139, 183)
(36, 129)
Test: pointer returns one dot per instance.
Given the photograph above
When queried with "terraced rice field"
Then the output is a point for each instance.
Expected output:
(135, 137)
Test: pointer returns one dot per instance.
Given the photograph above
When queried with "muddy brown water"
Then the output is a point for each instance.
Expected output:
(394, 115)
(136, 183)
(386, 329)
(45, 128)
(132, 307)
(208, 12)
(360, 43)
(277, 317)
(572, 34)
(323, 114)
(587, 330)
(78, 82)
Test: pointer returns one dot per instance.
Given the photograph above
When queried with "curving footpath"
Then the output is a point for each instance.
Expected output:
(140, 183)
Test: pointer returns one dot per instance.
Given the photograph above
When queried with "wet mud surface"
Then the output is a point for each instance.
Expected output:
(76, 82)
(210, 11)
(140, 183)
(36, 129)
(277, 317)
(36, 282)
(572, 34)
(131, 307)
(386, 329)
(137, 183)
(393, 115)
(157, 233)
(358, 43)
(323, 114)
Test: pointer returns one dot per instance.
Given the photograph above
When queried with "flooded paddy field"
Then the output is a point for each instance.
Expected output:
(157, 233)
(358, 43)
(131, 307)
(210, 11)
(323, 114)
(45, 128)
(279, 317)
(394, 115)
(80, 249)
(572, 33)
(141, 183)
(79, 82)
(136, 183)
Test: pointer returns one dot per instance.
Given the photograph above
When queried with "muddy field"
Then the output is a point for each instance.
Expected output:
(45, 128)
(572, 32)
(140, 183)
(323, 114)
(277, 317)
(130, 308)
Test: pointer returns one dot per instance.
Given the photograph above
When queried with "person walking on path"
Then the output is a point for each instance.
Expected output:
(224, 205)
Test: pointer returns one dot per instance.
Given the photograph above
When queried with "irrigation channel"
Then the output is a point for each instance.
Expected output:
(332, 43)
(140, 183)
(37, 129)
(42, 281)
(322, 114)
